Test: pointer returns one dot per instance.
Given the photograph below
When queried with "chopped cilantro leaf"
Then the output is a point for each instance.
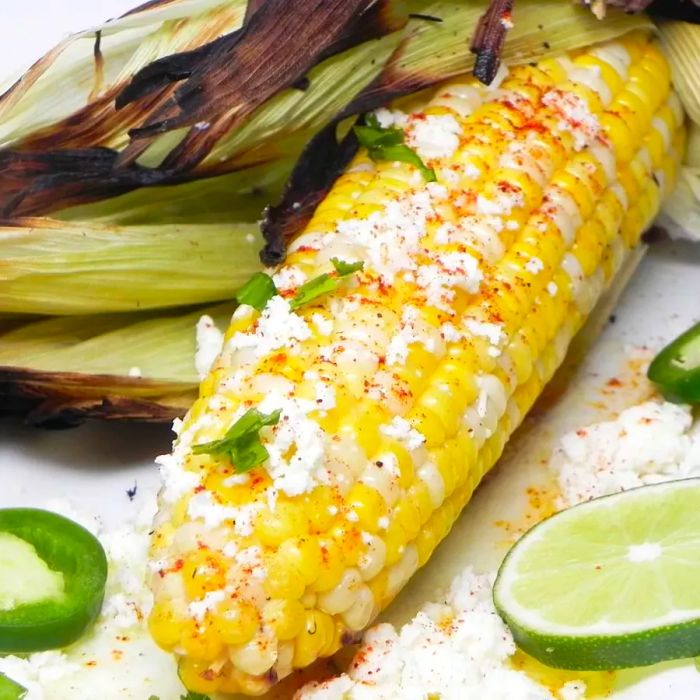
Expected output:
(9, 690)
(314, 288)
(404, 154)
(257, 291)
(387, 143)
(345, 268)
(194, 696)
(325, 283)
(242, 441)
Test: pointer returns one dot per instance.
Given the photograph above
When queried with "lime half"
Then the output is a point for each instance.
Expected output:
(611, 583)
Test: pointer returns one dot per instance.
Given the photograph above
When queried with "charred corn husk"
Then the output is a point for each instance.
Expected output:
(398, 390)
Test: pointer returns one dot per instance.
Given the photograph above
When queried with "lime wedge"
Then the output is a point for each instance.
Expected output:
(611, 583)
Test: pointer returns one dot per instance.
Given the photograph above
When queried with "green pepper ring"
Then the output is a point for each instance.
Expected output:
(676, 382)
(66, 547)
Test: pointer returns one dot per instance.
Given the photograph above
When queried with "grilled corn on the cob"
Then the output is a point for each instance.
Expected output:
(398, 390)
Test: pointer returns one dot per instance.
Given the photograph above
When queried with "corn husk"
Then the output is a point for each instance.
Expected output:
(54, 267)
(681, 42)
(116, 366)
(66, 101)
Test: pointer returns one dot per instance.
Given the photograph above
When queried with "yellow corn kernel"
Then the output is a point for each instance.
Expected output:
(285, 520)
(606, 71)
(316, 637)
(283, 580)
(332, 565)
(286, 617)
(321, 505)
(303, 554)
(165, 627)
(201, 641)
(237, 621)
(368, 504)
(198, 677)
(204, 571)
(407, 518)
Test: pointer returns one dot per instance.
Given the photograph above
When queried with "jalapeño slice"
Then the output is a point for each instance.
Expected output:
(676, 369)
(52, 580)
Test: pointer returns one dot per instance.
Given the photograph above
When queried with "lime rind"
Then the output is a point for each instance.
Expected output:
(642, 596)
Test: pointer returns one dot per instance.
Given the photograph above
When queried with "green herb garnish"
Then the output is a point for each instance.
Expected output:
(242, 441)
(325, 283)
(387, 143)
(9, 690)
(257, 291)
(193, 696)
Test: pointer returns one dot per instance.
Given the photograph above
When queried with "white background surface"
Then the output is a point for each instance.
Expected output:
(29, 28)
(95, 465)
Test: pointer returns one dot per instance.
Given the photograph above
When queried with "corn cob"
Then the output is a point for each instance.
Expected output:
(399, 389)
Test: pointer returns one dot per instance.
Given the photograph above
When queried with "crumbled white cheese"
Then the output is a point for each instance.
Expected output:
(297, 434)
(404, 432)
(277, 327)
(390, 117)
(573, 690)
(209, 340)
(534, 265)
(323, 324)
(455, 649)
(447, 272)
(36, 671)
(252, 558)
(450, 333)
(176, 480)
(493, 332)
(433, 135)
(576, 117)
(502, 204)
(552, 289)
(289, 277)
(390, 238)
(245, 517)
(413, 330)
(199, 608)
(202, 505)
(325, 396)
(646, 444)
(507, 23)
(437, 191)
(135, 372)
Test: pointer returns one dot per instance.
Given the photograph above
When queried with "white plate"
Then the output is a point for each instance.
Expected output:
(94, 466)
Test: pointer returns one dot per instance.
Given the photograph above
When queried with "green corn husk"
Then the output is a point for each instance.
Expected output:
(238, 196)
(54, 267)
(681, 41)
(118, 366)
(682, 207)
(65, 80)
(63, 102)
